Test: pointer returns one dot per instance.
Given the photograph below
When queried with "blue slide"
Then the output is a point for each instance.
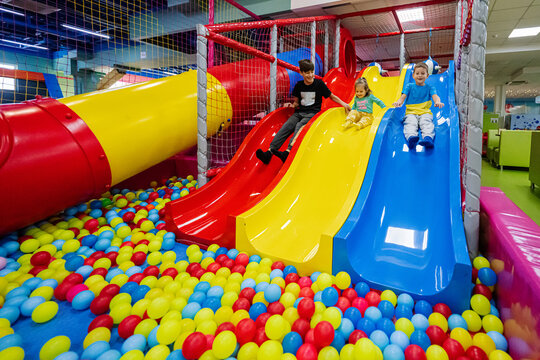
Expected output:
(405, 231)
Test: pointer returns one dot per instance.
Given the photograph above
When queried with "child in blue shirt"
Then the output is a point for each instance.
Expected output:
(418, 114)
(362, 111)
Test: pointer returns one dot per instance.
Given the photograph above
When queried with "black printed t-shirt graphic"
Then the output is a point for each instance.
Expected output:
(310, 96)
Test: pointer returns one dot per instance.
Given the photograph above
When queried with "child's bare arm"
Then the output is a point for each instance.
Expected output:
(400, 101)
(294, 104)
(341, 102)
(437, 101)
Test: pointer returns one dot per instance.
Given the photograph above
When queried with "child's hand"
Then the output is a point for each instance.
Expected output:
(439, 104)
(397, 104)
(287, 105)
(347, 108)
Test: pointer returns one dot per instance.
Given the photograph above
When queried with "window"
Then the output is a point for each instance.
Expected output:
(7, 83)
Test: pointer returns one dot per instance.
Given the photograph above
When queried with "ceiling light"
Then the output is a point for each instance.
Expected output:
(532, 31)
(12, 12)
(25, 45)
(74, 28)
(410, 15)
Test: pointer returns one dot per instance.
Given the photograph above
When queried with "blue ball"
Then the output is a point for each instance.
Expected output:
(386, 308)
(176, 355)
(133, 270)
(212, 303)
(168, 244)
(400, 339)
(256, 309)
(252, 258)
(110, 355)
(203, 286)
(190, 310)
(215, 291)
(152, 337)
(362, 289)
(272, 293)
(248, 283)
(329, 296)
(297, 301)
(456, 321)
(32, 283)
(107, 234)
(487, 276)
(95, 204)
(292, 342)
(140, 293)
(134, 342)
(421, 339)
(198, 297)
(353, 314)
(95, 213)
(289, 269)
(30, 304)
(222, 250)
(102, 244)
(393, 352)
(339, 341)
(317, 296)
(372, 313)
(89, 240)
(420, 322)
(366, 326)
(11, 340)
(129, 288)
(85, 271)
(494, 311)
(403, 311)
(380, 339)
(261, 286)
(112, 273)
(276, 273)
(49, 282)
(386, 325)
(346, 328)
(70, 355)
(82, 300)
(499, 340)
(94, 350)
(423, 307)
(314, 276)
(18, 291)
(405, 299)
(232, 254)
(16, 301)
(11, 247)
(11, 313)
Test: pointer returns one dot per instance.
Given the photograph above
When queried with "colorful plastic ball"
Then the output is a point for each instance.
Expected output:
(420, 322)
(436, 335)
(272, 293)
(134, 342)
(329, 296)
(475, 353)
(393, 352)
(224, 344)
(415, 352)
(365, 349)
(28, 306)
(380, 339)
(94, 350)
(245, 331)
(480, 262)
(386, 325)
(307, 352)
(356, 335)
(346, 328)
(45, 312)
(474, 323)
(403, 311)
(257, 309)
(420, 338)
(492, 323)
(386, 308)
(12, 353)
(439, 320)
(70, 355)
(457, 321)
(423, 307)
(483, 290)
(372, 313)
(405, 325)
(54, 347)
(11, 340)
(453, 348)
(362, 288)
(487, 276)
(499, 355)
(269, 350)
(442, 309)
(366, 325)
(436, 352)
(484, 342)
(324, 333)
(275, 327)
(351, 313)
(400, 339)
(499, 340)
(462, 336)
(101, 321)
(480, 304)
(373, 298)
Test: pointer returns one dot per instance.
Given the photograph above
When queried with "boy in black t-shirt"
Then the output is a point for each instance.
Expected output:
(307, 96)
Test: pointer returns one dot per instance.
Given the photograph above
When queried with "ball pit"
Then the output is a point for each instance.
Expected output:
(111, 265)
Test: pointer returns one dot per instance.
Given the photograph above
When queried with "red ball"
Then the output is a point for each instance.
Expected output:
(61, 290)
(97, 254)
(226, 326)
(247, 293)
(138, 258)
(262, 319)
(482, 290)
(436, 335)
(475, 353)
(127, 326)
(463, 358)
(414, 352)
(241, 304)
(301, 326)
(104, 320)
(99, 271)
(306, 308)
(100, 304)
(213, 267)
(110, 290)
(238, 269)
(209, 340)
(242, 259)
(453, 348)
(37, 269)
(260, 336)
(442, 309)
(89, 261)
(112, 256)
(474, 275)
(350, 294)
(172, 272)
(245, 331)
(191, 268)
(361, 304)
(373, 298)
(199, 273)
(356, 335)
(222, 258)
(40, 258)
(275, 308)
(306, 293)
(324, 334)
(74, 279)
(194, 346)
(136, 278)
(278, 265)
(75, 230)
(307, 352)
(128, 216)
(343, 304)
(143, 242)
(337, 289)
(304, 281)
(151, 271)
(229, 263)
(310, 337)
(91, 225)
(292, 278)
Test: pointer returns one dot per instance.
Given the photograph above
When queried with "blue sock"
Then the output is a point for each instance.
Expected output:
(412, 141)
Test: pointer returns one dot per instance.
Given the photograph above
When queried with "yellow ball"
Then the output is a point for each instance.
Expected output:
(207, 327)
(98, 334)
(223, 314)
(439, 320)
(154, 258)
(158, 352)
(192, 249)
(248, 351)
(224, 344)
(262, 277)
(484, 342)
(291, 315)
(158, 308)
(474, 323)
(462, 336)
(71, 246)
(43, 291)
(333, 316)
(293, 288)
(287, 299)
(288, 356)
(492, 323)
(12, 353)
(389, 295)
(145, 327)
(315, 319)
(343, 280)
(405, 325)
(172, 315)
(133, 355)
(435, 352)
(44, 312)
(29, 246)
(499, 355)
(54, 347)
(275, 327)
(328, 353)
(238, 316)
(366, 349)
(347, 352)
(270, 350)
(324, 280)
(102, 263)
(120, 312)
(229, 298)
(480, 304)
(168, 332)
(202, 315)
(480, 262)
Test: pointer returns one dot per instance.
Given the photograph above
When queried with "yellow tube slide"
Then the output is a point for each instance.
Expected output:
(133, 123)
(297, 221)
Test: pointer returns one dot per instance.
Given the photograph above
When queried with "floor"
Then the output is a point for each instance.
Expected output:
(514, 182)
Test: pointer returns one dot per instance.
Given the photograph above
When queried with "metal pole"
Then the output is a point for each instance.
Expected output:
(273, 69)
(211, 43)
(336, 43)
(313, 40)
(202, 143)
(402, 51)
(326, 41)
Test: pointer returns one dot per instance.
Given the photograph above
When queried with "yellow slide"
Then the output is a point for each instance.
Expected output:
(296, 222)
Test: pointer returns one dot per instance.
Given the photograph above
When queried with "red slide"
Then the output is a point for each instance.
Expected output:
(203, 217)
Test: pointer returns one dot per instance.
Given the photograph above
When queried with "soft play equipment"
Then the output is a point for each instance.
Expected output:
(207, 216)
(296, 221)
(57, 153)
(405, 231)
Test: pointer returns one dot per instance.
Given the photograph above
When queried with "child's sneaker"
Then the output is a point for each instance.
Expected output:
(412, 141)
(346, 124)
(282, 155)
(427, 142)
(264, 156)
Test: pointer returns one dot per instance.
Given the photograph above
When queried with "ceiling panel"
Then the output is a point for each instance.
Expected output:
(503, 15)
(506, 4)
